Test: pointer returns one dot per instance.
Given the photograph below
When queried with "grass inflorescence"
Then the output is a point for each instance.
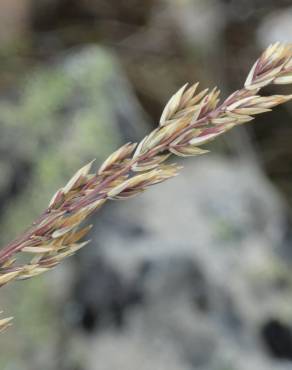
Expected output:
(190, 119)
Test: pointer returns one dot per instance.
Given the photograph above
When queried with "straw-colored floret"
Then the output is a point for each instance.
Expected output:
(189, 120)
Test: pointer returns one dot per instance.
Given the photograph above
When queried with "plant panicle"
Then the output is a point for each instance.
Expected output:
(190, 119)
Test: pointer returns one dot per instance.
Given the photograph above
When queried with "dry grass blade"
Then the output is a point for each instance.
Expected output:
(189, 120)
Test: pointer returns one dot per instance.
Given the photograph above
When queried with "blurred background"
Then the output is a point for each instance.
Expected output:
(195, 274)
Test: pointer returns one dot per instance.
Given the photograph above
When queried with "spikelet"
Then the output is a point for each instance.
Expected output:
(117, 157)
(5, 323)
(271, 65)
(172, 106)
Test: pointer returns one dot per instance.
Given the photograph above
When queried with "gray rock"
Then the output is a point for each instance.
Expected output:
(200, 252)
